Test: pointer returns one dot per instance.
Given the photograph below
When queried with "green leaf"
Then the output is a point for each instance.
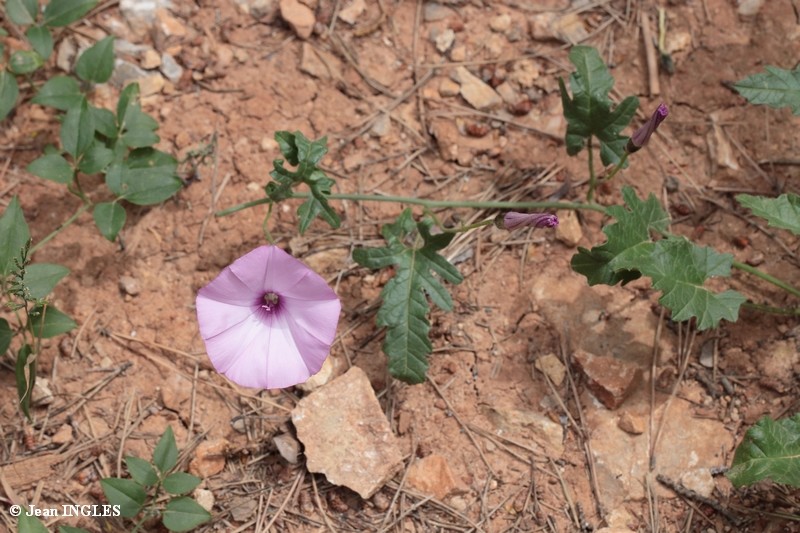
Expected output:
(105, 122)
(128, 97)
(776, 87)
(61, 92)
(50, 322)
(180, 483)
(165, 455)
(41, 278)
(25, 376)
(9, 91)
(126, 493)
(679, 268)
(53, 168)
(14, 235)
(146, 177)
(25, 61)
(96, 63)
(41, 40)
(63, 12)
(781, 212)
(29, 524)
(96, 158)
(22, 12)
(320, 186)
(770, 450)
(635, 222)
(404, 310)
(141, 471)
(109, 217)
(5, 336)
(77, 130)
(288, 146)
(184, 514)
(589, 112)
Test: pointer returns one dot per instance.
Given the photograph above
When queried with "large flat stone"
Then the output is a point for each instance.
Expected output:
(346, 435)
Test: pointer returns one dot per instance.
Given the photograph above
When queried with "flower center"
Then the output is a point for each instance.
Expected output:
(271, 301)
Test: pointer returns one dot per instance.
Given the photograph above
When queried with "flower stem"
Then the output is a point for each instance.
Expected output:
(66, 223)
(592, 179)
(434, 204)
(462, 229)
(788, 311)
(616, 168)
(767, 277)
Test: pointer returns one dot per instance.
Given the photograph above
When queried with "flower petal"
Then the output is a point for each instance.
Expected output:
(215, 316)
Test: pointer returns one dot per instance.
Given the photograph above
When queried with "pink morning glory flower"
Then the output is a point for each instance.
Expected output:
(268, 320)
(513, 220)
(642, 135)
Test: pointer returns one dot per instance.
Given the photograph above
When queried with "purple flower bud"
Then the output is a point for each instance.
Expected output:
(513, 220)
(642, 135)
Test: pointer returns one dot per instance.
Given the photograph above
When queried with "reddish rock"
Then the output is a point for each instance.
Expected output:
(609, 379)
(299, 17)
(209, 458)
(346, 435)
(432, 475)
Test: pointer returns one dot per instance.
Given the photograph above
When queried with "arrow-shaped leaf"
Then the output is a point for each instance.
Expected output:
(404, 310)
(770, 450)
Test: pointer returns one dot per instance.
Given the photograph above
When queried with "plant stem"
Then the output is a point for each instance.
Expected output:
(788, 311)
(430, 204)
(462, 229)
(592, 179)
(617, 168)
(767, 277)
(66, 223)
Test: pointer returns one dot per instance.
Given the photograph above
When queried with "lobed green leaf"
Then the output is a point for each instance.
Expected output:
(126, 493)
(184, 514)
(770, 450)
(404, 309)
(781, 212)
(588, 112)
(775, 87)
(679, 268)
(635, 223)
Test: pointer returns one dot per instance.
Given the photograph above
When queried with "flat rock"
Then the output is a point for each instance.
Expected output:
(346, 435)
(526, 424)
(568, 230)
(170, 68)
(329, 370)
(448, 87)
(352, 11)
(631, 423)
(318, 63)
(622, 460)
(209, 458)
(749, 8)
(551, 26)
(433, 11)
(609, 379)
(475, 91)
(288, 447)
(552, 367)
(299, 17)
(432, 475)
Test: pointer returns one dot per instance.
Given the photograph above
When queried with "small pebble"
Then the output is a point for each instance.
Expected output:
(129, 285)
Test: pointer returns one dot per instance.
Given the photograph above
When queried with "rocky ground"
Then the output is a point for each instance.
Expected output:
(550, 405)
